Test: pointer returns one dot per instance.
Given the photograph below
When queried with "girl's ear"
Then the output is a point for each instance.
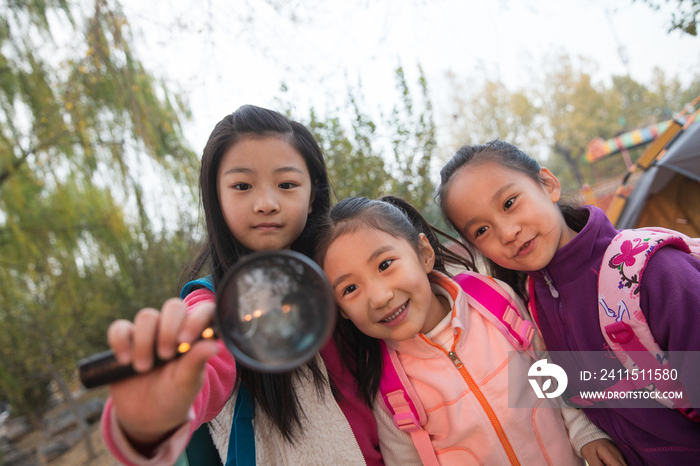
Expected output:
(311, 200)
(551, 184)
(427, 254)
(342, 313)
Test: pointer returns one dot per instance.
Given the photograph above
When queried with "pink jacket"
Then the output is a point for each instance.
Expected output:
(466, 401)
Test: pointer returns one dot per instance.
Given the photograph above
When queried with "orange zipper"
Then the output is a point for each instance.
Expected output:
(479, 396)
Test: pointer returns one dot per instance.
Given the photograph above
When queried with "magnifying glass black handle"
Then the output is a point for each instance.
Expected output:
(103, 368)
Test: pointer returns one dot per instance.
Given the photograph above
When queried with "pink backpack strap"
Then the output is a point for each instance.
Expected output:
(494, 303)
(532, 302)
(622, 334)
(404, 405)
(621, 319)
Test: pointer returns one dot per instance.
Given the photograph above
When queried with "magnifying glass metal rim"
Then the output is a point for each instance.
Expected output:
(311, 351)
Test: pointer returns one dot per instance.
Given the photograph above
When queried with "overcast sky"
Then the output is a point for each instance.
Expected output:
(225, 53)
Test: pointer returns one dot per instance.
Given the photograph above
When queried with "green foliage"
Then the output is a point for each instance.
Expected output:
(353, 166)
(362, 162)
(414, 144)
(576, 110)
(77, 248)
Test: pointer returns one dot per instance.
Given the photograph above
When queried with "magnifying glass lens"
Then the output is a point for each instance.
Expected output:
(275, 310)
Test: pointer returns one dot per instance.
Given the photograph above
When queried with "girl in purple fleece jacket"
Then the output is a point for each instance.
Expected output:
(503, 203)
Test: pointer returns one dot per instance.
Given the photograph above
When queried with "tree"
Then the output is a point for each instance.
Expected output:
(354, 168)
(576, 111)
(413, 142)
(537, 120)
(77, 132)
(363, 162)
(560, 114)
(488, 110)
(684, 19)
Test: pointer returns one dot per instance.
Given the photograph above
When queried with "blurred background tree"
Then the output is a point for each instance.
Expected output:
(561, 112)
(685, 16)
(84, 130)
(399, 161)
(484, 109)
(354, 164)
(413, 142)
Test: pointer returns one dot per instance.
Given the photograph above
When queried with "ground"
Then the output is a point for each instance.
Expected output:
(77, 455)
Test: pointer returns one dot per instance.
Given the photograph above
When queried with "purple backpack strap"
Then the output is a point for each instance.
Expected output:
(404, 406)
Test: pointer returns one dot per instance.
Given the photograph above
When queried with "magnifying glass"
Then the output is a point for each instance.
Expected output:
(274, 312)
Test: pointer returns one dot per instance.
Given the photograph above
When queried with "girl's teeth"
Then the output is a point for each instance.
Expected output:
(396, 314)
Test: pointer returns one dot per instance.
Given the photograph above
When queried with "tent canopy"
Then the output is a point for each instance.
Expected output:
(668, 194)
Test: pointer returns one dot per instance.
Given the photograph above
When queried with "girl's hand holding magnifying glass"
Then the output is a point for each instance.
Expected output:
(146, 406)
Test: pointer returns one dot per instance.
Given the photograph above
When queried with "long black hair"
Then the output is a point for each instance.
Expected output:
(274, 393)
(512, 158)
(396, 217)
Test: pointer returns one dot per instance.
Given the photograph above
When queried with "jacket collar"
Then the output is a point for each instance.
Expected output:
(441, 284)
(582, 253)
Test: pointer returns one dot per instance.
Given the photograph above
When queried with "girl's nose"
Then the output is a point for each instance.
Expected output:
(266, 203)
(509, 232)
(380, 295)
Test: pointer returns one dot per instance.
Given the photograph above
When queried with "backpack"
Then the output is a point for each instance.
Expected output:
(622, 322)
(201, 450)
(396, 391)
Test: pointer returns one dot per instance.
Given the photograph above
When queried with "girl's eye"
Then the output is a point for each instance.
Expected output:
(507, 205)
(242, 186)
(385, 265)
(287, 185)
(349, 289)
(480, 232)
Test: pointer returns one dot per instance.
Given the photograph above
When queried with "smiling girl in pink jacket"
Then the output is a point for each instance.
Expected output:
(391, 284)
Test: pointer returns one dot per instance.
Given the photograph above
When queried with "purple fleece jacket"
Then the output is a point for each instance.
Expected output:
(670, 300)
